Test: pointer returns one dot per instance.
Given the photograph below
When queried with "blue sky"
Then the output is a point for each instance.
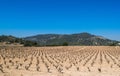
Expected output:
(30, 17)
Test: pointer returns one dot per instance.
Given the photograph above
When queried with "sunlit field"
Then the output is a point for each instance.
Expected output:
(60, 61)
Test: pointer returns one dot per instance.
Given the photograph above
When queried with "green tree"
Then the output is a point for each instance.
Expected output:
(65, 44)
(30, 43)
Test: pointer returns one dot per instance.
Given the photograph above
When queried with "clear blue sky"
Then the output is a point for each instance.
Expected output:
(30, 17)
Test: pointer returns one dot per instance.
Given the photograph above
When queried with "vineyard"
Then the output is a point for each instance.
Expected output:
(60, 61)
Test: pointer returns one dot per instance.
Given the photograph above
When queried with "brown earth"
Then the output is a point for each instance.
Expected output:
(60, 61)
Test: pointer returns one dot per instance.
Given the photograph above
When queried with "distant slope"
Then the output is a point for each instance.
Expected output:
(11, 40)
(71, 39)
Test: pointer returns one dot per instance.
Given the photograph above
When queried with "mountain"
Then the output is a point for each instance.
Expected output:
(14, 41)
(70, 39)
(9, 39)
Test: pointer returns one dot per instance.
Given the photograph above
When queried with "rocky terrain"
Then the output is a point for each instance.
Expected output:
(60, 61)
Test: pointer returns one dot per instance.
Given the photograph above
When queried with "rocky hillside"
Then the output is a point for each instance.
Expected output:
(14, 41)
(70, 39)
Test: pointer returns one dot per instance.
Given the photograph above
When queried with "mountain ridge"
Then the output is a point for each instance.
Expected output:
(72, 39)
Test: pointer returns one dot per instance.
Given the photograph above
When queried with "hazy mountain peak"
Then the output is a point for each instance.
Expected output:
(72, 39)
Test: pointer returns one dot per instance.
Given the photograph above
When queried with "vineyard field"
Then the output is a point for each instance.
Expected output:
(60, 61)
